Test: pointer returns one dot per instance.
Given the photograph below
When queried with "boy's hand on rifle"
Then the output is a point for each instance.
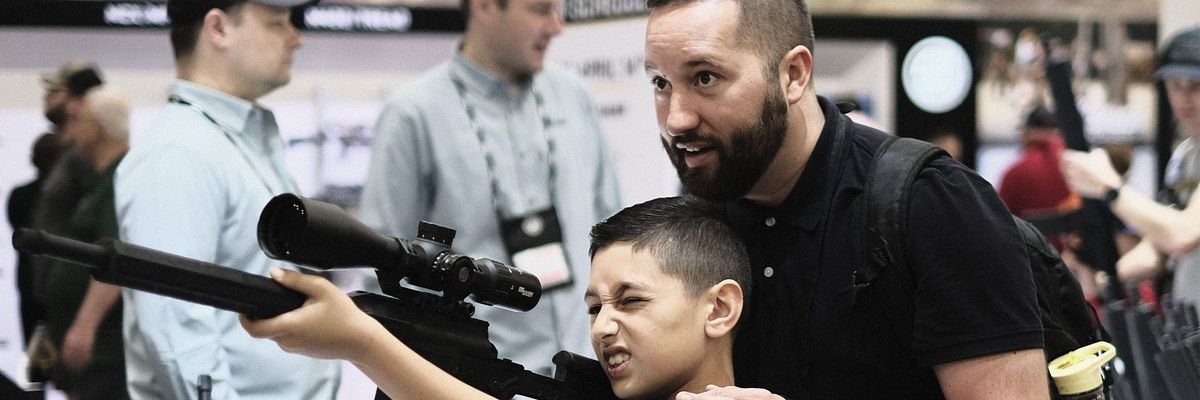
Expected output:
(327, 326)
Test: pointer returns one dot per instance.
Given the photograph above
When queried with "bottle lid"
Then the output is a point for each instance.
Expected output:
(1079, 371)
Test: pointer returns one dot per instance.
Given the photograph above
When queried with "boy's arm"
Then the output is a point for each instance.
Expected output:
(330, 326)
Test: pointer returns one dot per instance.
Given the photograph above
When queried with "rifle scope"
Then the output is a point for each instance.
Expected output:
(321, 235)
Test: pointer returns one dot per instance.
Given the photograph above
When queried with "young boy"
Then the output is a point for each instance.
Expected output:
(668, 283)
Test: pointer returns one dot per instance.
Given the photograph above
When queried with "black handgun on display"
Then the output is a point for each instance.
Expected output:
(438, 326)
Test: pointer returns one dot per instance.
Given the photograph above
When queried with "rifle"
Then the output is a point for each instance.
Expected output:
(439, 327)
(1093, 221)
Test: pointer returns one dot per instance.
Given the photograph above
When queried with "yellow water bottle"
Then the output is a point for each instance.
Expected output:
(1077, 374)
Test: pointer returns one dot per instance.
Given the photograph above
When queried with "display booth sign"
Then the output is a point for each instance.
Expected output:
(591, 10)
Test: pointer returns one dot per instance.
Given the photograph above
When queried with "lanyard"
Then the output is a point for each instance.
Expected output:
(490, 158)
(236, 143)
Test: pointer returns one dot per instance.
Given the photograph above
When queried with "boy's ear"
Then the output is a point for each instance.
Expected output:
(725, 308)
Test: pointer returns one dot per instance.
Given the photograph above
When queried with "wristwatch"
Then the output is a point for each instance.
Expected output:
(1111, 195)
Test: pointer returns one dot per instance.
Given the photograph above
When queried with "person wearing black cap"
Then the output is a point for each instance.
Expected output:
(70, 177)
(1171, 230)
(83, 316)
(194, 186)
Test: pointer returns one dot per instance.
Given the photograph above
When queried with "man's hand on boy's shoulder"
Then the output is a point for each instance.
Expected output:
(714, 392)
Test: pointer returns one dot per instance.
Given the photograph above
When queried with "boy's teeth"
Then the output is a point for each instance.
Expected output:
(617, 359)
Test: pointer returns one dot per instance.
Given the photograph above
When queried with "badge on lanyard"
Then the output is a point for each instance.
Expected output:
(535, 245)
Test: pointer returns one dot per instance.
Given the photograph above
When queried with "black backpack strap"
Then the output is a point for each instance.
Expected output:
(897, 163)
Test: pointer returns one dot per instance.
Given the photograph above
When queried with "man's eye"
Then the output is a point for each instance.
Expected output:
(593, 309)
(659, 83)
(706, 79)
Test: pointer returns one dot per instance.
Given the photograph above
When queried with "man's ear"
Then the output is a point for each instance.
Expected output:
(725, 308)
(215, 28)
(795, 73)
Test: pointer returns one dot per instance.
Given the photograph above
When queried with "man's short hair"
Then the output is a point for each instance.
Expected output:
(688, 236)
(770, 27)
(465, 7)
(111, 110)
(186, 18)
(188, 15)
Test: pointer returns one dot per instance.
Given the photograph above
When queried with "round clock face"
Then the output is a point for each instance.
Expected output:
(936, 74)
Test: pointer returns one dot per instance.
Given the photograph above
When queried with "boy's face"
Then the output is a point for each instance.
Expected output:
(647, 330)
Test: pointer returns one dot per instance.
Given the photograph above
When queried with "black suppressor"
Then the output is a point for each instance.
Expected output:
(321, 235)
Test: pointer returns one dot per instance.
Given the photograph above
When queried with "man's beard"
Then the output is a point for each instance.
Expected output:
(742, 163)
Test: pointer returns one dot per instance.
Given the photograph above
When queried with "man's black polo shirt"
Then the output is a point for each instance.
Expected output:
(968, 290)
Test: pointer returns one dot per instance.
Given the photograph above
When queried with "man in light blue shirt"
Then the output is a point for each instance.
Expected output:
(509, 154)
(194, 186)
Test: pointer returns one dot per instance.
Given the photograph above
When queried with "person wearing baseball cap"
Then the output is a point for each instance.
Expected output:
(69, 178)
(1171, 230)
(194, 186)
(71, 81)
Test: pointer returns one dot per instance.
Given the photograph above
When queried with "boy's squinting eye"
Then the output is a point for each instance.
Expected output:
(631, 300)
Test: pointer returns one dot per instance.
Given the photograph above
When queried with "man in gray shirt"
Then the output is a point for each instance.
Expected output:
(195, 187)
(509, 152)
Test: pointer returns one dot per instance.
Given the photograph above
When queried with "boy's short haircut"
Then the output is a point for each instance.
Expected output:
(688, 236)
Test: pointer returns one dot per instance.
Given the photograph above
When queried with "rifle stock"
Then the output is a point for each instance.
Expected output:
(1094, 222)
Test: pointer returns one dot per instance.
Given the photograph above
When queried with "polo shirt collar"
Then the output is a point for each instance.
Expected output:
(227, 110)
(478, 80)
(804, 207)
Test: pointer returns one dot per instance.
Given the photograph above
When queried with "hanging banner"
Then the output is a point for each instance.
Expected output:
(590, 10)
(153, 14)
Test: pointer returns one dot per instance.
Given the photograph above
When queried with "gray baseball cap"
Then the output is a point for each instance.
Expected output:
(1181, 57)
